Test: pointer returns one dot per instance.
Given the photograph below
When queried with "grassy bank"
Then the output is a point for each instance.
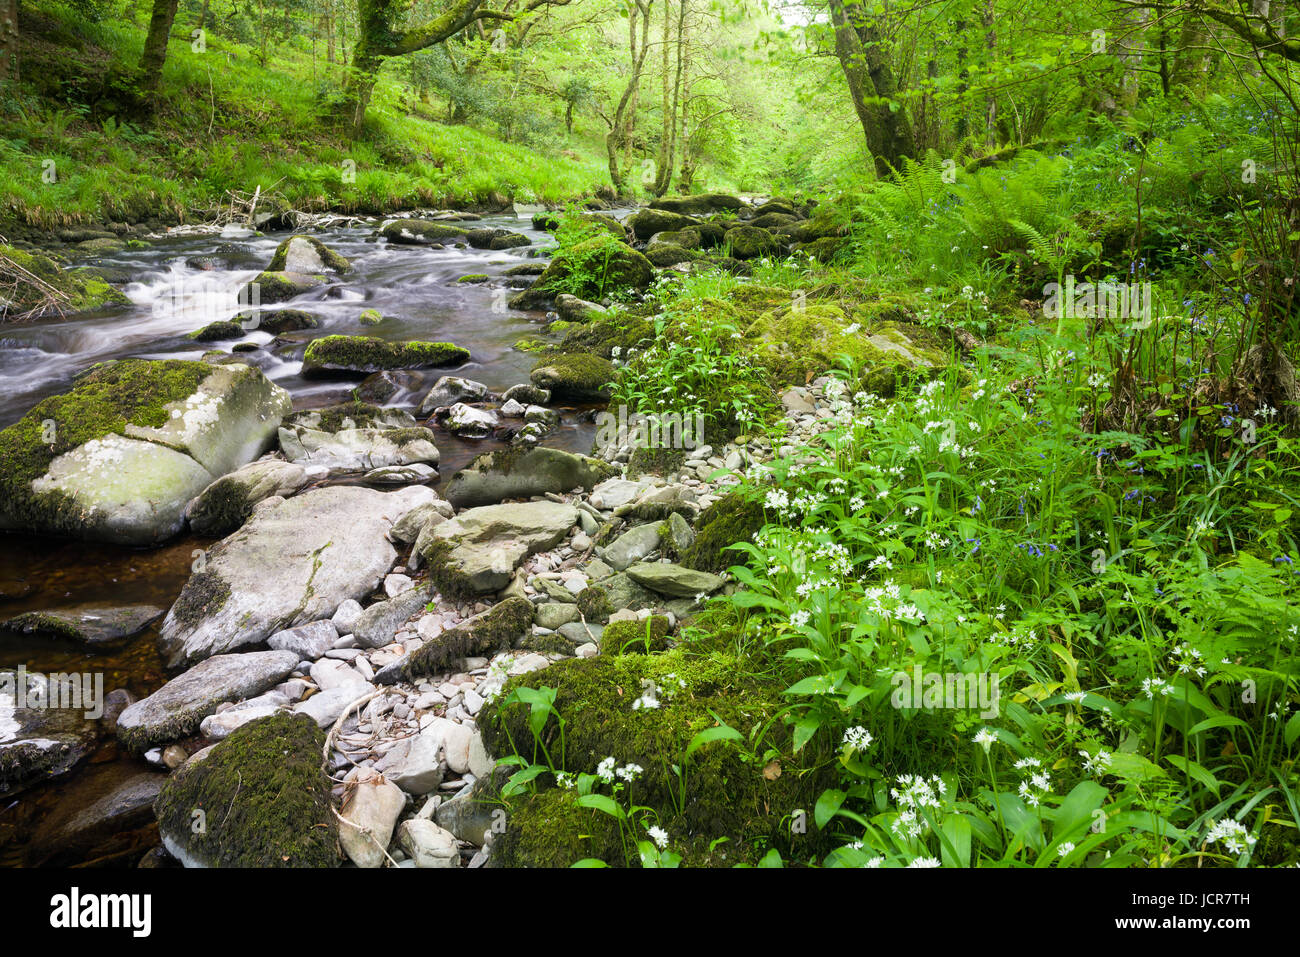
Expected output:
(74, 148)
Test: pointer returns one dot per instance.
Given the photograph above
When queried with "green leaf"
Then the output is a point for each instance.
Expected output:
(1194, 770)
(827, 805)
(721, 733)
(603, 803)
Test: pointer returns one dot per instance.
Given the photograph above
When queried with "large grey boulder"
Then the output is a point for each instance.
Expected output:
(226, 504)
(478, 551)
(119, 457)
(178, 708)
(295, 561)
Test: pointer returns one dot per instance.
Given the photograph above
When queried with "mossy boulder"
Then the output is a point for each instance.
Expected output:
(700, 205)
(727, 793)
(278, 321)
(263, 797)
(796, 343)
(751, 242)
(366, 354)
(55, 290)
(733, 518)
(421, 232)
(689, 238)
(823, 250)
(273, 287)
(646, 222)
(228, 502)
(119, 457)
(635, 637)
(602, 337)
(523, 472)
(218, 331)
(493, 630)
(86, 626)
(669, 254)
(306, 254)
(592, 269)
(474, 279)
(577, 376)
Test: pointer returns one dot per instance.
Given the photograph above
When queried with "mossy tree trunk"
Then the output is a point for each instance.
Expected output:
(155, 45)
(860, 47)
(382, 37)
(8, 40)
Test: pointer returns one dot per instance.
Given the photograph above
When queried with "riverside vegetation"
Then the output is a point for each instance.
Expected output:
(989, 556)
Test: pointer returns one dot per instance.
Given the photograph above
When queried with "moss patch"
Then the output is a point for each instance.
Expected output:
(78, 290)
(635, 637)
(264, 798)
(726, 791)
(368, 354)
(574, 376)
(727, 521)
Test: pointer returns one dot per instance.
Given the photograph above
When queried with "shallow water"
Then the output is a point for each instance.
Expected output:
(416, 291)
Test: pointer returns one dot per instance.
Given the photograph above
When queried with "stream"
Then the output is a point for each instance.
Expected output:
(415, 289)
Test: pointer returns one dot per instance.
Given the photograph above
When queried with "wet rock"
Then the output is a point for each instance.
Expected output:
(177, 708)
(38, 744)
(421, 232)
(573, 309)
(306, 254)
(366, 354)
(500, 475)
(89, 626)
(469, 422)
(577, 376)
(527, 394)
(449, 390)
(103, 803)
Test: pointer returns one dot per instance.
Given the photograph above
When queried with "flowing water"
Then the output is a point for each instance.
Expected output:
(178, 285)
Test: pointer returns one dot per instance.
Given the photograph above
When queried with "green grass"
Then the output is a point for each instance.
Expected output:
(226, 123)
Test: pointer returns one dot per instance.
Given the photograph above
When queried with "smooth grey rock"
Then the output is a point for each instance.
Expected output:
(308, 642)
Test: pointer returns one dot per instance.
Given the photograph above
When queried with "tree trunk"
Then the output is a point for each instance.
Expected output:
(991, 53)
(8, 40)
(155, 45)
(381, 36)
(664, 172)
(872, 85)
(620, 127)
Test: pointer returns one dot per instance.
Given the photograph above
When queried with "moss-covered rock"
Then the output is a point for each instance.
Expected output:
(421, 232)
(751, 242)
(367, 354)
(55, 289)
(592, 269)
(119, 456)
(635, 637)
(646, 222)
(577, 376)
(733, 518)
(306, 254)
(725, 790)
(218, 331)
(602, 337)
(669, 254)
(278, 321)
(494, 630)
(523, 472)
(474, 278)
(260, 796)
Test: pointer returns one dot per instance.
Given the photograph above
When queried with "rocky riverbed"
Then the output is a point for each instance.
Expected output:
(343, 615)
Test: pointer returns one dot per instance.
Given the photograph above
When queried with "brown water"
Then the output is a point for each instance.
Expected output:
(414, 288)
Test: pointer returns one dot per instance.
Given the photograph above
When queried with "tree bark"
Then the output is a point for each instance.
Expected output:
(872, 85)
(155, 45)
(619, 126)
(382, 37)
(8, 40)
